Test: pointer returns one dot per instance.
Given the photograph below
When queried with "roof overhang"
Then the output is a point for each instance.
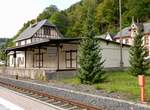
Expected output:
(45, 43)
(57, 42)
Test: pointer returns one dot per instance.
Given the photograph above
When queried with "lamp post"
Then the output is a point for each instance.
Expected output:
(121, 60)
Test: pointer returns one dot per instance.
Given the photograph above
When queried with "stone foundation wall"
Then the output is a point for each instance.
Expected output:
(57, 75)
(39, 74)
(99, 101)
(24, 72)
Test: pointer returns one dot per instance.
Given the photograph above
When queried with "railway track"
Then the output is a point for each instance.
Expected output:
(58, 102)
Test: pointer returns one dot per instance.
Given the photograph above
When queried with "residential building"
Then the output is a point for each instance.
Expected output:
(128, 34)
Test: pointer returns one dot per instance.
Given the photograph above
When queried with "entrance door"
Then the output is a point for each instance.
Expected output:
(38, 60)
(71, 59)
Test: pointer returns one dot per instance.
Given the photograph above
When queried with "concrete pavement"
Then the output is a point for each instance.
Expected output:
(10, 99)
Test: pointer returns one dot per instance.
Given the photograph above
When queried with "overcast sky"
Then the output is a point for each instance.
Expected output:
(14, 13)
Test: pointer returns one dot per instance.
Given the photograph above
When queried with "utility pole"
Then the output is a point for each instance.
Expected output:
(121, 59)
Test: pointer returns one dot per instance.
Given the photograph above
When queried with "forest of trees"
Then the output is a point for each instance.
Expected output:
(70, 22)
(3, 41)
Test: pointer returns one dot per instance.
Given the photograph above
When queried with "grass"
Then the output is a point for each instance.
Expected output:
(120, 82)
(74, 80)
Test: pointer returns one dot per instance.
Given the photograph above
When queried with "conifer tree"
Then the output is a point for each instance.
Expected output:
(90, 58)
(138, 63)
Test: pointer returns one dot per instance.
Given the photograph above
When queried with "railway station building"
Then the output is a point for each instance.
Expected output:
(41, 50)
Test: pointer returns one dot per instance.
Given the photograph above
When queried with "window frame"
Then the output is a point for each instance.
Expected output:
(70, 59)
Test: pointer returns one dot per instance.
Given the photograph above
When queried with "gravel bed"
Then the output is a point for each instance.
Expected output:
(79, 87)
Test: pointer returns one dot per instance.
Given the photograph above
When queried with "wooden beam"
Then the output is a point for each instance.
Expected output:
(14, 56)
(39, 57)
(6, 59)
(25, 59)
(33, 59)
(57, 56)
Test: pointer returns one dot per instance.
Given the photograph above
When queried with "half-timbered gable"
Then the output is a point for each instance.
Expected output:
(38, 32)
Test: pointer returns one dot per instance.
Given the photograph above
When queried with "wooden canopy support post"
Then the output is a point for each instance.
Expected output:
(14, 56)
(57, 56)
(39, 57)
(6, 59)
(33, 58)
(25, 58)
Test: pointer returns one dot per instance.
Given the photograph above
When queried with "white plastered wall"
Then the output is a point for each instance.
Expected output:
(110, 53)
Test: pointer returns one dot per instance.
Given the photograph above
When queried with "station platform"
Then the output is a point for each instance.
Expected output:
(10, 100)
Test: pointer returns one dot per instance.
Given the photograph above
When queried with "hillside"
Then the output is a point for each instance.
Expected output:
(71, 21)
(3, 41)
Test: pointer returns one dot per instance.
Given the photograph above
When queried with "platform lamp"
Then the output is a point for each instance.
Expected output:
(120, 16)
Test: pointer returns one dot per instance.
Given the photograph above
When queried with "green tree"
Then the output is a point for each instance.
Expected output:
(90, 58)
(60, 20)
(106, 16)
(2, 53)
(139, 65)
(48, 12)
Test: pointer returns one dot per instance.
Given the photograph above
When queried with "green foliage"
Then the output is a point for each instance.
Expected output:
(119, 82)
(137, 8)
(47, 13)
(123, 83)
(3, 42)
(2, 53)
(90, 58)
(60, 20)
(71, 21)
(139, 65)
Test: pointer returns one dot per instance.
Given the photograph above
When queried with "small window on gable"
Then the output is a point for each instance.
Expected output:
(47, 30)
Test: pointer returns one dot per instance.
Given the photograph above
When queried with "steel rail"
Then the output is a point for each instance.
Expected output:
(56, 100)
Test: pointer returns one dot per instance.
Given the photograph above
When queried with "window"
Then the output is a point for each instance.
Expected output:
(22, 61)
(18, 61)
(38, 60)
(71, 59)
(47, 31)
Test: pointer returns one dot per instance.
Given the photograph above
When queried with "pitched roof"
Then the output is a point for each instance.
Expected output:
(126, 31)
(31, 30)
(106, 35)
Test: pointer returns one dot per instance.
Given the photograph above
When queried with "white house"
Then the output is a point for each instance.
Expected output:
(128, 34)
